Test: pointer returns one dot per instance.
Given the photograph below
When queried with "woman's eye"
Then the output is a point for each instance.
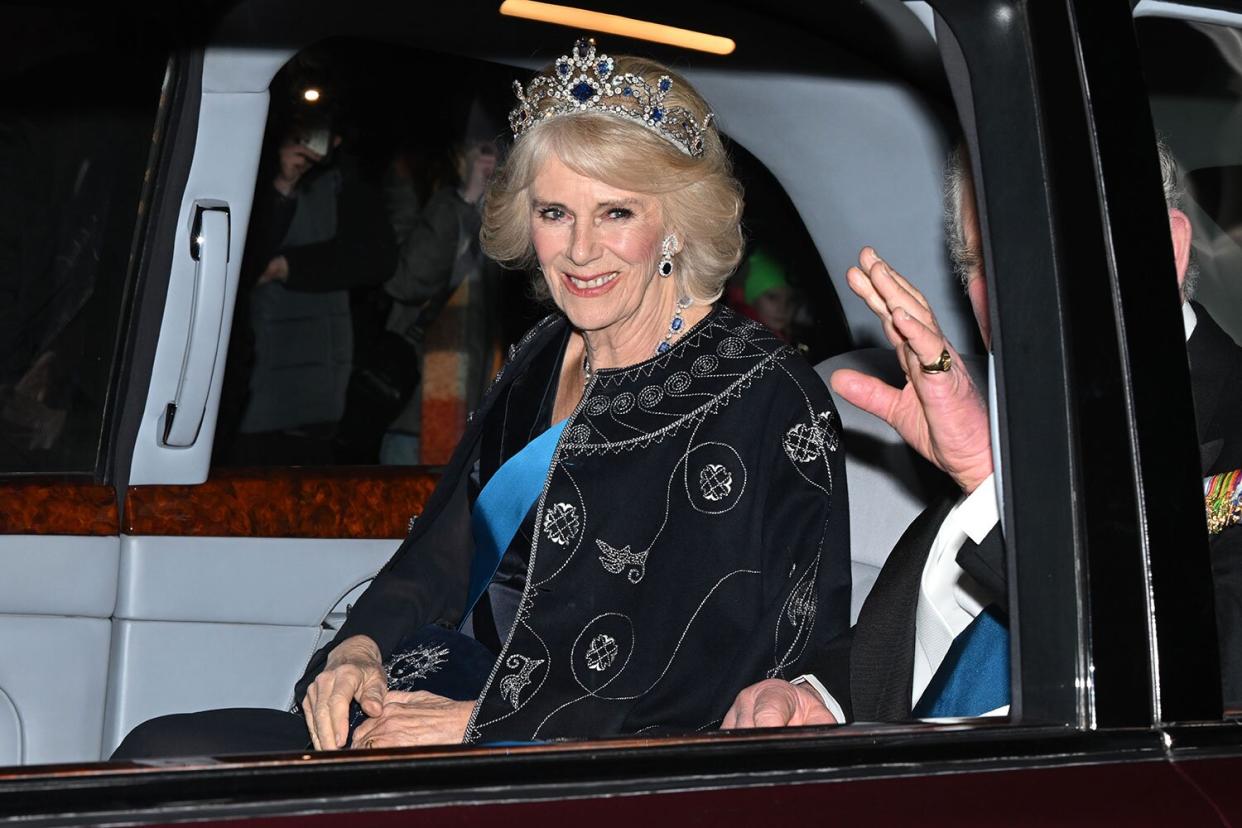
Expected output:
(620, 213)
(551, 213)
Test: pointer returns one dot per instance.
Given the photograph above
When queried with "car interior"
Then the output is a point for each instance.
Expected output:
(841, 139)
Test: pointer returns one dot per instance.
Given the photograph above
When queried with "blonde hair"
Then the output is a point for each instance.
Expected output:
(700, 199)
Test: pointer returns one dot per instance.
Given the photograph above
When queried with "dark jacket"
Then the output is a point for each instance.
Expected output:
(1216, 380)
(691, 538)
(870, 672)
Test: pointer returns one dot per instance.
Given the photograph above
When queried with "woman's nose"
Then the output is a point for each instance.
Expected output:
(582, 246)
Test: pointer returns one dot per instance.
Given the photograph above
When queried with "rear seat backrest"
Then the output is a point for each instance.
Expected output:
(889, 483)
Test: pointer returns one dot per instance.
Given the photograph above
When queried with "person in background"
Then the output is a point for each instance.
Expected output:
(761, 291)
(444, 293)
(768, 292)
(317, 229)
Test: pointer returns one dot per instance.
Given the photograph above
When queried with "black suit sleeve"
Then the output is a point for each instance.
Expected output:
(831, 665)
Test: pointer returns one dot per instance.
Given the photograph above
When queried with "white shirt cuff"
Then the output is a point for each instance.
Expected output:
(979, 513)
(827, 698)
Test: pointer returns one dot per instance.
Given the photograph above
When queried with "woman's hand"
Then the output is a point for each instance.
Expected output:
(354, 672)
(418, 718)
(941, 415)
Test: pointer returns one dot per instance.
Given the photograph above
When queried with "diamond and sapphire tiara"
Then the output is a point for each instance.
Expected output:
(584, 80)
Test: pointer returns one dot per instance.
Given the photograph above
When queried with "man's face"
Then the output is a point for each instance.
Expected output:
(976, 284)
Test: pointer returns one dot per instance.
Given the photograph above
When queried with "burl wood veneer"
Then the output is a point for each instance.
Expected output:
(57, 507)
(365, 502)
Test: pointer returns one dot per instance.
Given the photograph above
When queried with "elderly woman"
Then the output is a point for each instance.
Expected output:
(648, 510)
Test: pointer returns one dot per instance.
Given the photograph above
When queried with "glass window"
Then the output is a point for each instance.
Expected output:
(81, 94)
(1195, 83)
(369, 322)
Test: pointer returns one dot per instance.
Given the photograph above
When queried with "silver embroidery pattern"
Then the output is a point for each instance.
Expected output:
(704, 365)
(650, 396)
(561, 524)
(698, 414)
(804, 443)
(677, 383)
(602, 652)
(416, 664)
(623, 403)
(648, 404)
(832, 438)
(512, 685)
(721, 479)
(617, 561)
(808, 441)
(715, 482)
(801, 607)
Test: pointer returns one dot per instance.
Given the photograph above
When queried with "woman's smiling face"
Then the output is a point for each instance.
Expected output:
(598, 247)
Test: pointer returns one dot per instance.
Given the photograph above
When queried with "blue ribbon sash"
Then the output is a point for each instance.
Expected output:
(973, 679)
(503, 505)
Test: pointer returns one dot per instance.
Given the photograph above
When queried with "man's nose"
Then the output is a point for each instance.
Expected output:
(582, 245)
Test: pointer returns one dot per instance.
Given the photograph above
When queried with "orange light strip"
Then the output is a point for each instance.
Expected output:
(583, 19)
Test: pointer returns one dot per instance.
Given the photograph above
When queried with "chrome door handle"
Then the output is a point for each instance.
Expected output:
(209, 247)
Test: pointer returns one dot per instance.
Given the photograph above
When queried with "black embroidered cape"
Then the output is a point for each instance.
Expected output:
(691, 538)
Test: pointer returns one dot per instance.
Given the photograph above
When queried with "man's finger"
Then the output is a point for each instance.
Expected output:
(907, 286)
(896, 297)
(730, 718)
(867, 257)
(927, 344)
(860, 283)
(872, 395)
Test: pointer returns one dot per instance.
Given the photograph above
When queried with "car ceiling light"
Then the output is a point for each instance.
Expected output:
(583, 19)
(311, 95)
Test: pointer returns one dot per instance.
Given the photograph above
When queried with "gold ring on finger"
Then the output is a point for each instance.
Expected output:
(939, 366)
(370, 744)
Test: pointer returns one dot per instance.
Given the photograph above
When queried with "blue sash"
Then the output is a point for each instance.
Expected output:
(503, 505)
(973, 679)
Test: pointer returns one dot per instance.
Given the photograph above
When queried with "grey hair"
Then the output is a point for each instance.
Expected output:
(1174, 198)
(964, 257)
